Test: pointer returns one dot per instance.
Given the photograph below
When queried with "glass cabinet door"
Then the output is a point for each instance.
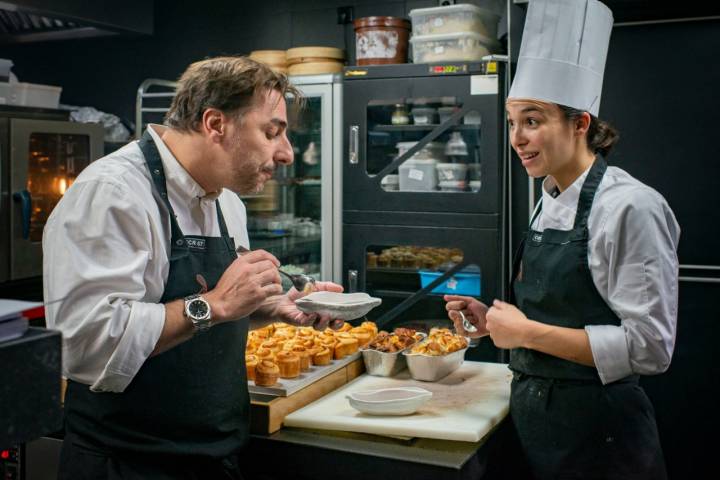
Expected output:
(287, 218)
(418, 142)
(46, 158)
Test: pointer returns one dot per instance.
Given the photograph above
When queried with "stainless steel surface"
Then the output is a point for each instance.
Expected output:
(384, 364)
(143, 93)
(299, 280)
(354, 142)
(25, 254)
(337, 174)
(432, 368)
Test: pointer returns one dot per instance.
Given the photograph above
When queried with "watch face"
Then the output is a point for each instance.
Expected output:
(198, 308)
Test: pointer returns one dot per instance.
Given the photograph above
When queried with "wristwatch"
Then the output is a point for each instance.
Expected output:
(198, 310)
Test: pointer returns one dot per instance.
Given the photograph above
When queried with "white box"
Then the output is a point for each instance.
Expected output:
(30, 95)
(454, 19)
(452, 47)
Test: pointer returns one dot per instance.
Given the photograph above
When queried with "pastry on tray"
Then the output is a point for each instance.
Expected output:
(289, 364)
(251, 362)
(266, 373)
(322, 356)
(304, 355)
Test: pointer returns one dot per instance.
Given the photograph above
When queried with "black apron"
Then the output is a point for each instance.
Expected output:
(568, 423)
(190, 402)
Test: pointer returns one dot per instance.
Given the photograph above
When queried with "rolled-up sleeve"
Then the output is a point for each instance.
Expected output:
(96, 252)
(635, 255)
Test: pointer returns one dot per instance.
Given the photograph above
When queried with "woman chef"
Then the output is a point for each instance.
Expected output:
(596, 279)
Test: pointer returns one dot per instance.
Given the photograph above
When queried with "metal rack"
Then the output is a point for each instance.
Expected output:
(154, 91)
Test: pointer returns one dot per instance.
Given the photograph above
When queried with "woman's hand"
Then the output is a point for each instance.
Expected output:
(508, 326)
(288, 312)
(474, 311)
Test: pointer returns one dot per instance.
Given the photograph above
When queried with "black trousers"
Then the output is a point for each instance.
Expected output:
(585, 430)
(79, 462)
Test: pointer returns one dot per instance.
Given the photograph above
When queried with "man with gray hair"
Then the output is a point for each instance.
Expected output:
(157, 384)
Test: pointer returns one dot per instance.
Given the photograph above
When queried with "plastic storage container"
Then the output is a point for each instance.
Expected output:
(474, 171)
(424, 115)
(445, 113)
(454, 19)
(418, 175)
(390, 182)
(431, 151)
(451, 47)
(453, 185)
(458, 284)
(381, 40)
(452, 171)
(30, 95)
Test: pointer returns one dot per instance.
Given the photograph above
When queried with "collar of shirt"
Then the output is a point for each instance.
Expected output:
(176, 174)
(558, 212)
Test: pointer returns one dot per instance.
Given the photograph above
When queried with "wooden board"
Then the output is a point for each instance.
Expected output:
(466, 405)
(267, 412)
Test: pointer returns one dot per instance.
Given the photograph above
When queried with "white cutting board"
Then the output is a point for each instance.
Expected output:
(465, 406)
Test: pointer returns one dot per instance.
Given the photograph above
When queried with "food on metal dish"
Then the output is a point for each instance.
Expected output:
(399, 339)
(440, 341)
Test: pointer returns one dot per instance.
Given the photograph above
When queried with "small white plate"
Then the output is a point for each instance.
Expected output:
(389, 401)
(346, 306)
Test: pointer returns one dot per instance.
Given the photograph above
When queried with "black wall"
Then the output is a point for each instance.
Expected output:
(106, 72)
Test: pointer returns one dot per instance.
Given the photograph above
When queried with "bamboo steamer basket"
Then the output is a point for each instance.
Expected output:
(275, 59)
(313, 68)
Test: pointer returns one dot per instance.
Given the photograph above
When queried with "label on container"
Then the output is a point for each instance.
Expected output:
(415, 174)
(438, 22)
(439, 49)
(483, 85)
(377, 44)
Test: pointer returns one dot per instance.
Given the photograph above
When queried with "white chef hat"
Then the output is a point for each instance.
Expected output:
(563, 53)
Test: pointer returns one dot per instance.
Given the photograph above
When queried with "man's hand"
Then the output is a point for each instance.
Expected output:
(508, 326)
(246, 284)
(474, 311)
(287, 311)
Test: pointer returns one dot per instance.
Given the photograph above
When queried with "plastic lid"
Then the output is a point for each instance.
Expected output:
(418, 161)
(454, 36)
(460, 7)
(460, 166)
(452, 184)
(390, 179)
(396, 22)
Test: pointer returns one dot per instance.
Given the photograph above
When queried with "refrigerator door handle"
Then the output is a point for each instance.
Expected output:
(353, 144)
(700, 278)
(352, 281)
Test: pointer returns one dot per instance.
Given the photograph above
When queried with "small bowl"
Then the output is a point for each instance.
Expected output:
(345, 306)
(431, 368)
(389, 401)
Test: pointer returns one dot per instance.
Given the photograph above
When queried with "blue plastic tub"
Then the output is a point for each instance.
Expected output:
(458, 284)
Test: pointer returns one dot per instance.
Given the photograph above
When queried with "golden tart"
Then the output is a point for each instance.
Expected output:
(322, 356)
(289, 364)
(266, 373)
(251, 362)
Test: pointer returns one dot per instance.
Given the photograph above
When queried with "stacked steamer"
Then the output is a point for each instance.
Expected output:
(275, 59)
(280, 350)
(454, 33)
(314, 60)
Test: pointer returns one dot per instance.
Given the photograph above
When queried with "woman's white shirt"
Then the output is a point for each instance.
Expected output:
(632, 255)
(105, 252)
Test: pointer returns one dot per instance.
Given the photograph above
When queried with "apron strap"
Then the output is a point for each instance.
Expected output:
(587, 194)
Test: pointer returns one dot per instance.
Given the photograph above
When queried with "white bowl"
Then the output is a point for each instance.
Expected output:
(345, 306)
(389, 401)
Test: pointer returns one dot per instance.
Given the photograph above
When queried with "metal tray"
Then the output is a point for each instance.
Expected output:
(430, 368)
(385, 364)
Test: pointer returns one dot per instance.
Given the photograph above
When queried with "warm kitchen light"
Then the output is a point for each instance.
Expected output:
(62, 185)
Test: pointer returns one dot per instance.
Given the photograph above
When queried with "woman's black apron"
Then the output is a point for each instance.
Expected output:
(568, 423)
(191, 400)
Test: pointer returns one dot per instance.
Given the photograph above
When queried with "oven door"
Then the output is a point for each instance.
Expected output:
(46, 157)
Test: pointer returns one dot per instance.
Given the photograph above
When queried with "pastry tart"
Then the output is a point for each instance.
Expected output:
(322, 356)
(345, 346)
(272, 344)
(372, 326)
(266, 373)
(304, 355)
(265, 354)
(289, 364)
(251, 362)
(363, 335)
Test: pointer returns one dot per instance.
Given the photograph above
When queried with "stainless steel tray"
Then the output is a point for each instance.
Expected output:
(385, 364)
(430, 368)
(288, 386)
